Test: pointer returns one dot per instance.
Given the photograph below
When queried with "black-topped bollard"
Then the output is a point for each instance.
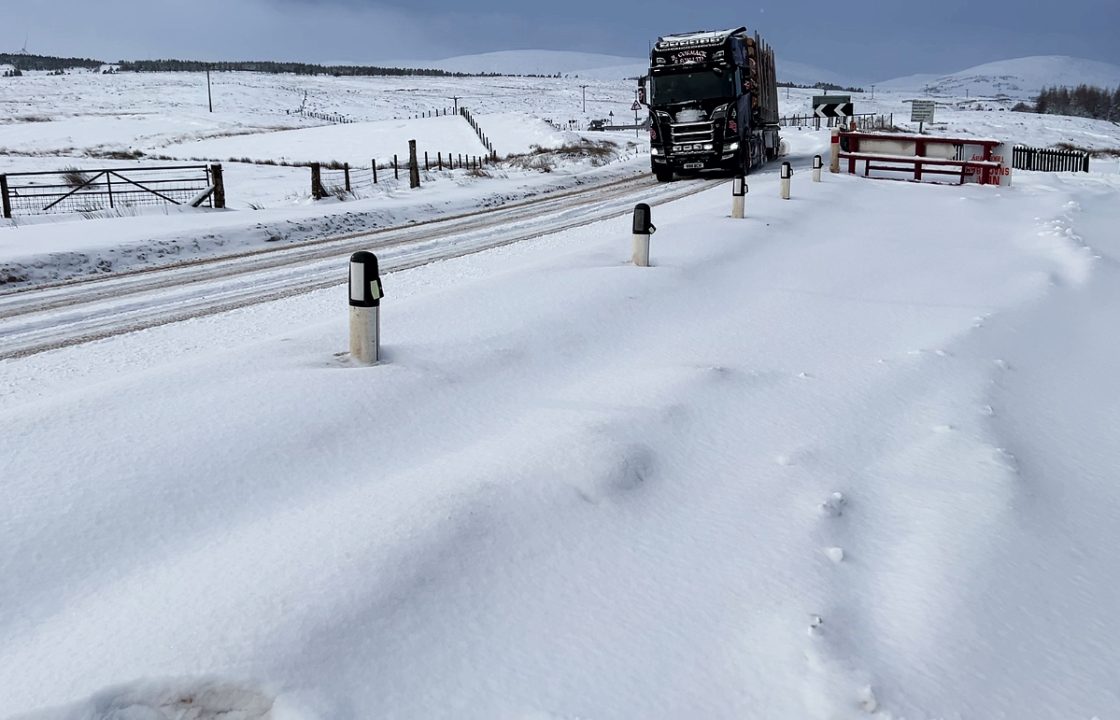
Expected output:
(787, 173)
(365, 308)
(643, 228)
(818, 163)
(738, 196)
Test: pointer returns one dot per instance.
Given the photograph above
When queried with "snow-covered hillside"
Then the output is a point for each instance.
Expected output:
(803, 74)
(1017, 78)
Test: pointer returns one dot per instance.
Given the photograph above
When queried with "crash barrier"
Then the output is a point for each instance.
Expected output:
(967, 159)
(1049, 159)
(75, 190)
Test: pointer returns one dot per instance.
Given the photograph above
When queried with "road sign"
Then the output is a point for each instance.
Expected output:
(922, 111)
(831, 99)
(833, 110)
(636, 106)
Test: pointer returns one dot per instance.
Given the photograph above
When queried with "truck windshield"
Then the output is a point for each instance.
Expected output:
(685, 87)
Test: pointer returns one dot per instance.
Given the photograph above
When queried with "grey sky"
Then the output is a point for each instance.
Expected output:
(868, 42)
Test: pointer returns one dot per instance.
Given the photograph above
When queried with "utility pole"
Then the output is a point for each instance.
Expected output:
(872, 92)
(584, 88)
(209, 96)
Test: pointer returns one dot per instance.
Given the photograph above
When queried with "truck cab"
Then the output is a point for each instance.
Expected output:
(712, 102)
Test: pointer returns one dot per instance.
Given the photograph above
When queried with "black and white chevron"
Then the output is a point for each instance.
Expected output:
(831, 110)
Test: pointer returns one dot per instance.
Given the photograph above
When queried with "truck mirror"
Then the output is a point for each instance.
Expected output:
(642, 95)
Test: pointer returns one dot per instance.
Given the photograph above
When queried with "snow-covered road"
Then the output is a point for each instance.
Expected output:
(851, 456)
(42, 318)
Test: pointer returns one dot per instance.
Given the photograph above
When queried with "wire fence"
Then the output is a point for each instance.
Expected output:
(345, 181)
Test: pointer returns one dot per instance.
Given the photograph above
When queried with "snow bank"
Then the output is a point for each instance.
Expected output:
(576, 488)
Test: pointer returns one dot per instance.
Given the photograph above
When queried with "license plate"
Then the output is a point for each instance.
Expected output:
(693, 166)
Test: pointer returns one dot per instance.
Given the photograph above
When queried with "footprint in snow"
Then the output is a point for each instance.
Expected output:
(835, 554)
(834, 505)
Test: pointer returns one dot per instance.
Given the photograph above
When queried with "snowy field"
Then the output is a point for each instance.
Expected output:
(851, 457)
(76, 120)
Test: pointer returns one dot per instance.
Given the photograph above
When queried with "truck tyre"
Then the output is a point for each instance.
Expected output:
(663, 175)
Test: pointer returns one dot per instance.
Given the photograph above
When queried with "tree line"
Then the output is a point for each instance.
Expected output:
(1082, 101)
(827, 87)
(273, 67)
(26, 63)
(22, 63)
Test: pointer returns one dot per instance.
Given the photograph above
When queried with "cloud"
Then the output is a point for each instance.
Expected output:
(210, 30)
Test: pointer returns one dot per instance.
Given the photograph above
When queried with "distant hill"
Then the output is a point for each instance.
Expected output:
(791, 71)
(595, 66)
(1017, 78)
(538, 62)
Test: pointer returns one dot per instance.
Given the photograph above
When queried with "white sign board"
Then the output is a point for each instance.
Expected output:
(922, 111)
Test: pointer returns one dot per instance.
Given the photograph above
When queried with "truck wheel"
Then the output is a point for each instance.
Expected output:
(663, 175)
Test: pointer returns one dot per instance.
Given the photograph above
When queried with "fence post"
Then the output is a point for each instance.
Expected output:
(346, 169)
(414, 166)
(316, 182)
(426, 166)
(4, 196)
(373, 163)
(109, 186)
(439, 160)
(396, 171)
(1085, 163)
(219, 186)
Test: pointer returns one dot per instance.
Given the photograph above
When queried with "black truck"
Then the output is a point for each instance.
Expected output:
(713, 102)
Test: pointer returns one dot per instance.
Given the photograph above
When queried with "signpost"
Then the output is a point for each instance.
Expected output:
(833, 106)
(922, 112)
(636, 107)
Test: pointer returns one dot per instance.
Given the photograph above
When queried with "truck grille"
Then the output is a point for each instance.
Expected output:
(690, 137)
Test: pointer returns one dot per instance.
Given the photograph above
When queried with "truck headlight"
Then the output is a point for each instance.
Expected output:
(654, 151)
(707, 146)
(732, 146)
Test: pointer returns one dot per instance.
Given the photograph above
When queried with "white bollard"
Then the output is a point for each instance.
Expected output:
(834, 165)
(365, 308)
(643, 228)
(817, 165)
(738, 196)
(787, 173)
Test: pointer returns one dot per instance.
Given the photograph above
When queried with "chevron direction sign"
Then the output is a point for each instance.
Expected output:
(831, 106)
